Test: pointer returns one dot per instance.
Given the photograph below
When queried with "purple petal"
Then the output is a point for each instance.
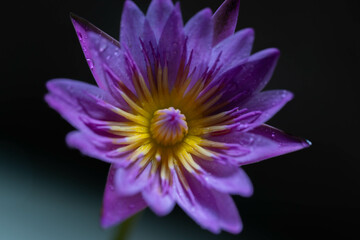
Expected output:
(92, 146)
(132, 27)
(249, 77)
(148, 37)
(262, 143)
(79, 140)
(211, 209)
(225, 19)
(74, 99)
(101, 51)
(130, 181)
(158, 14)
(161, 203)
(117, 208)
(268, 103)
(199, 31)
(226, 178)
(171, 43)
(234, 49)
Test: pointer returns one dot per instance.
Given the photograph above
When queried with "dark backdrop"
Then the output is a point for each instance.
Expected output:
(309, 194)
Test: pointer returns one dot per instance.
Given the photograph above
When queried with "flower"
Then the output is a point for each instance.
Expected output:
(178, 110)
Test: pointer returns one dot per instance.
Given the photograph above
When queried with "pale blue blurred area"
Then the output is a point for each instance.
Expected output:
(37, 203)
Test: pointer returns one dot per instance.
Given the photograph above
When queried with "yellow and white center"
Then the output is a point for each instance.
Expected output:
(167, 126)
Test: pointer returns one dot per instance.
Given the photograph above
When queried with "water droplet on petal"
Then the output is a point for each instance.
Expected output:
(131, 206)
(80, 36)
(102, 46)
(90, 62)
(308, 143)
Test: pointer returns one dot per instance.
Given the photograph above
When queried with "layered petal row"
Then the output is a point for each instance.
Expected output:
(177, 111)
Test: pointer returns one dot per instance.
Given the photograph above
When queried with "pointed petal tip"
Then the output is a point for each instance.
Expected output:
(249, 31)
(297, 142)
(225, 20)
(159, 4)
(48, 99)
(177, 6)
(307, 143)
(238, 228)
(158, 13)
(272, 52)
(80, 25)
(106, 222)
(83, 26)
(70, 139)
(129, 3)
(73, 15)
(286, 95)
(163, 2)
(76, 20)
(53, 87)
(301, 144)
(51, 84)
(229, 5)
(207, 12)
(249, 192)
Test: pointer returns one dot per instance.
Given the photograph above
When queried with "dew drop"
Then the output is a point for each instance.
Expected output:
(308, 143)
(80, 36)
(90, 62)
(103, 46)
(131, 206)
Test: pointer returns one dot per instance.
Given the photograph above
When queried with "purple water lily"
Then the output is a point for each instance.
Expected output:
(178, 109)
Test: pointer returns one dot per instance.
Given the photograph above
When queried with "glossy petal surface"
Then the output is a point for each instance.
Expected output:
(225, 19)
(177, 111)
(117, 207)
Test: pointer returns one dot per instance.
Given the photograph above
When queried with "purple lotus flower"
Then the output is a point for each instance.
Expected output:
(178, 110)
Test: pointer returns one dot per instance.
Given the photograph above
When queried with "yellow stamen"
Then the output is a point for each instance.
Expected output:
(168, 126)
(134, 106)
(157, 131)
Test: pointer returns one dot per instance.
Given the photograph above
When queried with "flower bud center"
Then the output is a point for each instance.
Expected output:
(168, 126)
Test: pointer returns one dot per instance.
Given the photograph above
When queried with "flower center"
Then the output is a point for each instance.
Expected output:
(168, 126)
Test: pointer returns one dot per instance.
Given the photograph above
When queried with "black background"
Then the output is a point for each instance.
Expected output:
(310, 194)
